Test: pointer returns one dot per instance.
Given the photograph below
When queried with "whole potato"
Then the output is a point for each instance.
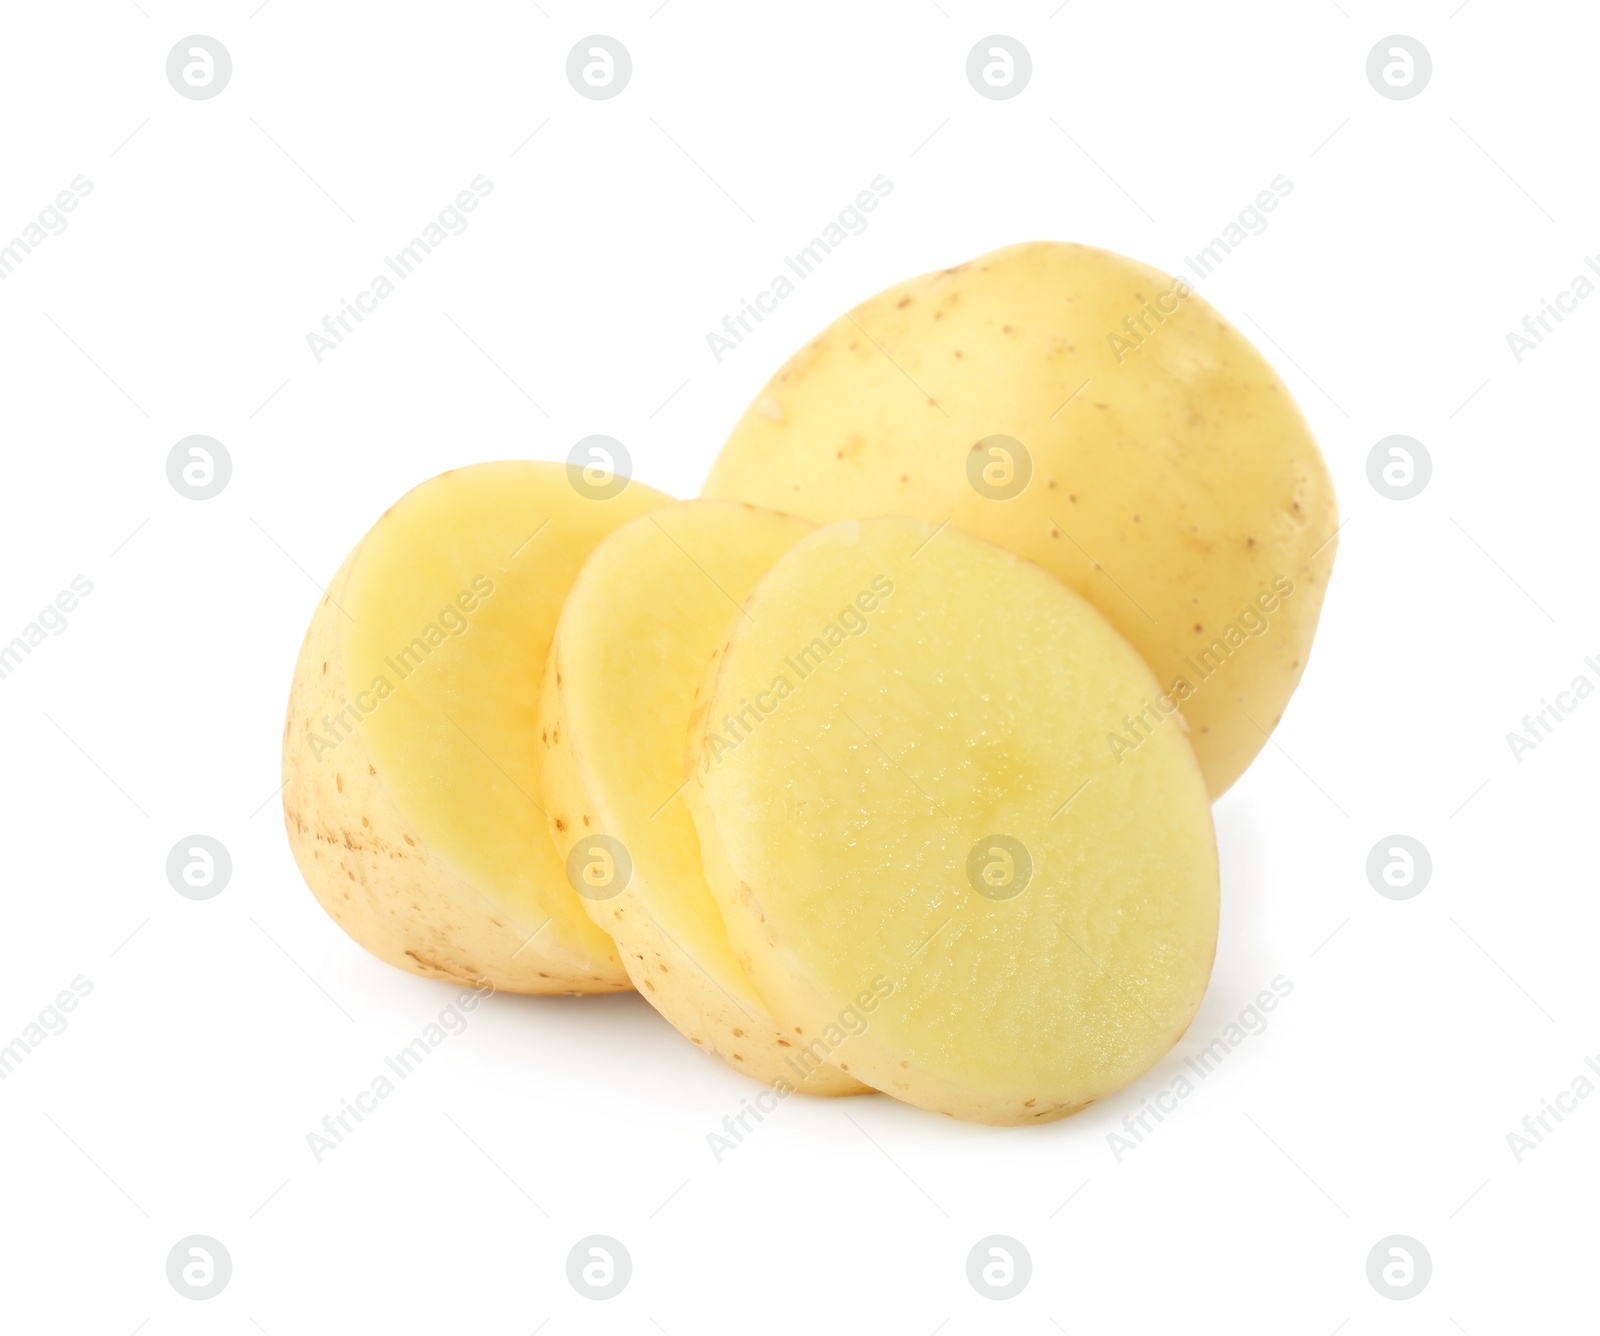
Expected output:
(1100, 419)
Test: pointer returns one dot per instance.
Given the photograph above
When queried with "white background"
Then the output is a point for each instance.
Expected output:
(219, 1033)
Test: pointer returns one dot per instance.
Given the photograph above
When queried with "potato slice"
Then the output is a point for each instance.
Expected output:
(1097, 417)
(637, 631)
(410, 757)
(933, 869)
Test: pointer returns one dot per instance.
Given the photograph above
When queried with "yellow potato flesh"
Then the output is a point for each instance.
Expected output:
(1170, 478)
(641, 622)
(410, 753)
(898, 698)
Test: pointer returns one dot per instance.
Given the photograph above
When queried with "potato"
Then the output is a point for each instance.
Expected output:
(1100, 419)
(638, 628)
(930, 865)
(409, 752)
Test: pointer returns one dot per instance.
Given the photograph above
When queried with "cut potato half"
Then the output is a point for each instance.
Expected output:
(410, 757)
(935, 870)
(1097, 417)
(638, 628)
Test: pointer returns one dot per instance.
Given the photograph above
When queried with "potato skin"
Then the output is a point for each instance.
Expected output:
(375, 877)
(1174, 482)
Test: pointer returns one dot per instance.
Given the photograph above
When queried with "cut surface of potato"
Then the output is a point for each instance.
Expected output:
(638, 628)
(1102, 420)
(930, 864)
(410, 756)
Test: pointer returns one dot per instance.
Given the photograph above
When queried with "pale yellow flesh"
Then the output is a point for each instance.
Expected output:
(929, 691)
(1174, 483)
(410, 750)
(638, 628)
